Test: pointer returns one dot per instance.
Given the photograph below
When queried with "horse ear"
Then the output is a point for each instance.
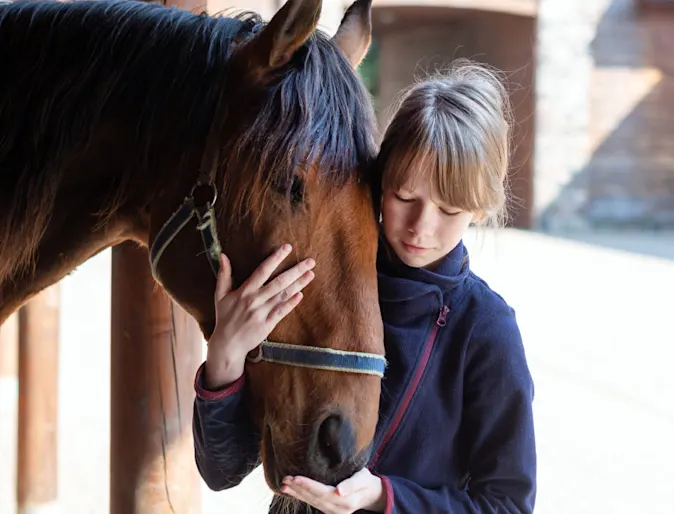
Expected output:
(354, 34)
(276, 43)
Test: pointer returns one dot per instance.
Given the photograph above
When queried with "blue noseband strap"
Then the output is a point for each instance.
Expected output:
(321, 358)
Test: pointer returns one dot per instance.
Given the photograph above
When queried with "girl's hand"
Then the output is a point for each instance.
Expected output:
(361, 491)
(247, 315)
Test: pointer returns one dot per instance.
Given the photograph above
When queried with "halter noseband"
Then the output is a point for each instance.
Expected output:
(281, 353)
(320, 358)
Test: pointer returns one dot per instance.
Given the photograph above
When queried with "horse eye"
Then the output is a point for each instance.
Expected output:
(297, 191)
(293, 191)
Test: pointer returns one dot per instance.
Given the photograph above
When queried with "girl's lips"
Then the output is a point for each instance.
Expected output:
(414, 249)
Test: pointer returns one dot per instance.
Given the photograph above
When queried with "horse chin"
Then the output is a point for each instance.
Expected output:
(351, 467)
(275, 472)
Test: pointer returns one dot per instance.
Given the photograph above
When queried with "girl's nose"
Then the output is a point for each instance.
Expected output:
(422, 221)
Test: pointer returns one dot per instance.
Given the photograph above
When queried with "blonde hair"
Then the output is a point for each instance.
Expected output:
(454, 129)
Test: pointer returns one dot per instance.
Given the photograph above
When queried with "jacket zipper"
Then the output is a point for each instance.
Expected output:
(440, 322)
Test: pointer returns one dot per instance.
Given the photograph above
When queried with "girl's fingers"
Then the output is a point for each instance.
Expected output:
(265, 270)
(285, 280)
(293, 288)
(283, 309)
(224, 279)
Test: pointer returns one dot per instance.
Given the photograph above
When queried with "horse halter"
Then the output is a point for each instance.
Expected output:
(281, 353)
(199, 204)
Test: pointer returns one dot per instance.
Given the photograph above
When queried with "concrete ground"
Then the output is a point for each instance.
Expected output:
(597, 316)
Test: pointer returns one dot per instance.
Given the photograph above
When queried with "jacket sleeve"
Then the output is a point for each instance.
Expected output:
(498, 430)
(226, 444)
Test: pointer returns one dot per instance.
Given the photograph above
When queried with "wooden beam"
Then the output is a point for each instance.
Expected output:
(9, 360)
(37, 468)
(156, 350)
(9, 348)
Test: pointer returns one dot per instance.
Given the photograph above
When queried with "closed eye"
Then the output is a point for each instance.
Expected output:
(447, 213)
(406, 200)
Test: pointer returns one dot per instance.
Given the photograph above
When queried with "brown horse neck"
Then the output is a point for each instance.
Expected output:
(78, 228)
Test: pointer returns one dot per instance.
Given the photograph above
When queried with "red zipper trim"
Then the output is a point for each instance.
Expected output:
(439, 323)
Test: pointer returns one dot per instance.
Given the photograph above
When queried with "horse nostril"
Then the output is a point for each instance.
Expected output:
(335, 441)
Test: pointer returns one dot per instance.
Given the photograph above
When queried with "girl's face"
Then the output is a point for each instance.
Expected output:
(420, 227)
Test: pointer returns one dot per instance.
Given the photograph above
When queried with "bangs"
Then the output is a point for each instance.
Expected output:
(449, 160)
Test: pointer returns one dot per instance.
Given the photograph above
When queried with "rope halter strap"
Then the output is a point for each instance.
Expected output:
(199, 207)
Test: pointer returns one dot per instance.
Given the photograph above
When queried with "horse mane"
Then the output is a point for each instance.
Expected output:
(70, 67)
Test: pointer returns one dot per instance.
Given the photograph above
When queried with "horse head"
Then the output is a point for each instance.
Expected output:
(289, 160)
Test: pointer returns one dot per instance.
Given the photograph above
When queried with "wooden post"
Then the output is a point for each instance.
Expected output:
(9, 360)
(156, 350)
(9, 348)
(38, 404)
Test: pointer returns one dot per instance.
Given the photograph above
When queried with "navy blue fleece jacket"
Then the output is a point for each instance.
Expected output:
(455, 431)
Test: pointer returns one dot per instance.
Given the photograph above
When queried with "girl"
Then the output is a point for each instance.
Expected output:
(466, 441)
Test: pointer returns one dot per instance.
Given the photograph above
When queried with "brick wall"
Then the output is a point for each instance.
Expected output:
(605, 141)
(564, 70)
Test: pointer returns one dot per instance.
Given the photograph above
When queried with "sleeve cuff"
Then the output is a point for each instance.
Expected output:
(220, 394)
(390, 497)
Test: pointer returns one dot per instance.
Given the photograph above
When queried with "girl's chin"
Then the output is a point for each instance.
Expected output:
(414, 261)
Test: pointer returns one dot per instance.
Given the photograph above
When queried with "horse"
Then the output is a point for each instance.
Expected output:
(192, 134)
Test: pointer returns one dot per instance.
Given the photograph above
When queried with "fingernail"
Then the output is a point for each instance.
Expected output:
(310, 262)
(286, 247)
